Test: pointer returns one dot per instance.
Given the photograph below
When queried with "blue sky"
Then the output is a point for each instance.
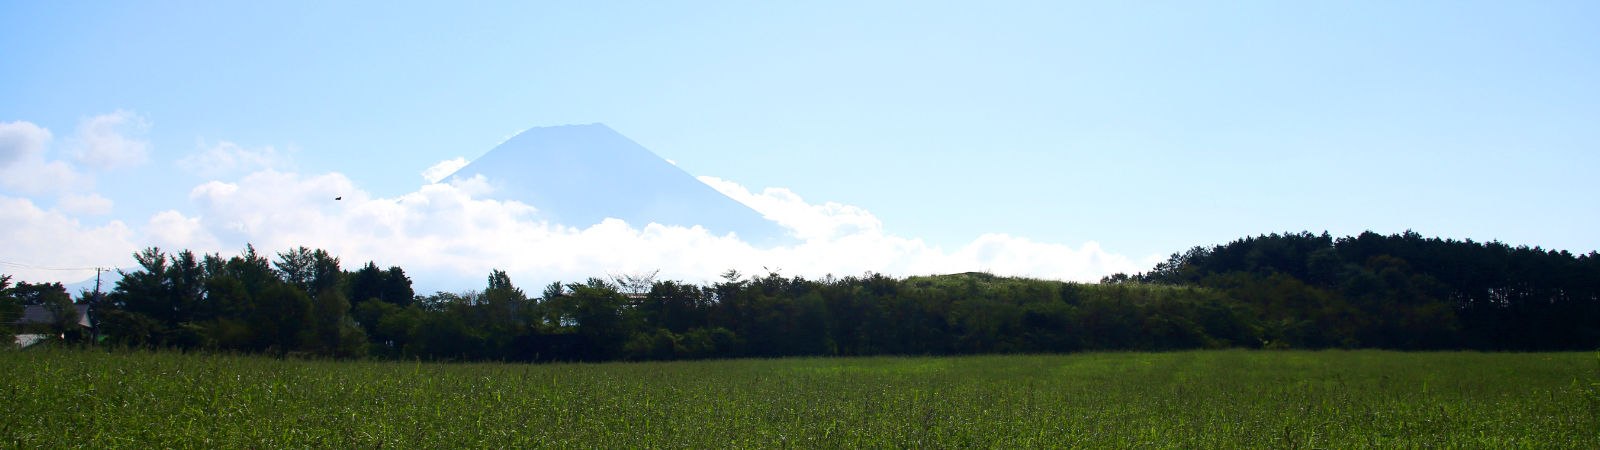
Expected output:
(1146, 127)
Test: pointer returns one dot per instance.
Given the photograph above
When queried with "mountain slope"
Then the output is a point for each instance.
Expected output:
(579, 175)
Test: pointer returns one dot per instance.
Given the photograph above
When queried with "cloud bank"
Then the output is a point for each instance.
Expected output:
(449, 240)
(36, 236)
(46, 237)
(448, 237)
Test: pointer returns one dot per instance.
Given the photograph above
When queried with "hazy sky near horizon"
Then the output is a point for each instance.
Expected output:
(1146, 127)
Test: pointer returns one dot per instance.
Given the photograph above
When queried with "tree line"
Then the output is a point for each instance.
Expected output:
(1292, 290)
(1401, 290)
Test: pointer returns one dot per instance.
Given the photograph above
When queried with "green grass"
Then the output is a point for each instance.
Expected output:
(1201, 399)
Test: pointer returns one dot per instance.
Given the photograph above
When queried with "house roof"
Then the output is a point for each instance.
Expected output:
(36, 314)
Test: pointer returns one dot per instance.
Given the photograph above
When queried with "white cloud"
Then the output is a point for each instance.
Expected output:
(477, 186)
(810, 222)
(1004, 254)
(21, 140)
(170, 229)
(446, 238)
(85, 204)
(23, 166)
(443, 169)
(228, 158)
(100, 143)
(39, 237)
(46, 177)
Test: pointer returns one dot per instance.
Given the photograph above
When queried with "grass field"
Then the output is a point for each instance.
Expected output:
(1201, 399)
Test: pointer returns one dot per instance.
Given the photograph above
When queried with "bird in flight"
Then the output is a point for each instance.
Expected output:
(338, 198)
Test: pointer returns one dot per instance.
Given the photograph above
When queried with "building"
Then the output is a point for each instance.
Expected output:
(38, 323)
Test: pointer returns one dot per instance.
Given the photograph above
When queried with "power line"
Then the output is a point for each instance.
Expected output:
(39, 267)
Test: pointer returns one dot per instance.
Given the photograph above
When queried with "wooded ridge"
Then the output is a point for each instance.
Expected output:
(1293, 290)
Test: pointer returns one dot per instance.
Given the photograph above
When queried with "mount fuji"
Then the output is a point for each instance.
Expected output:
(579, 175)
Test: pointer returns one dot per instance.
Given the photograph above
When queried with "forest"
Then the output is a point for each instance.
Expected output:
(1273, 291)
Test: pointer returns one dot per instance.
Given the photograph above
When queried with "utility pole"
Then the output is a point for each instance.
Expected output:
(94, 306)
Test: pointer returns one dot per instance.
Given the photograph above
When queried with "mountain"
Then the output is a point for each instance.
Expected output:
(108, 281)
(579, 175)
